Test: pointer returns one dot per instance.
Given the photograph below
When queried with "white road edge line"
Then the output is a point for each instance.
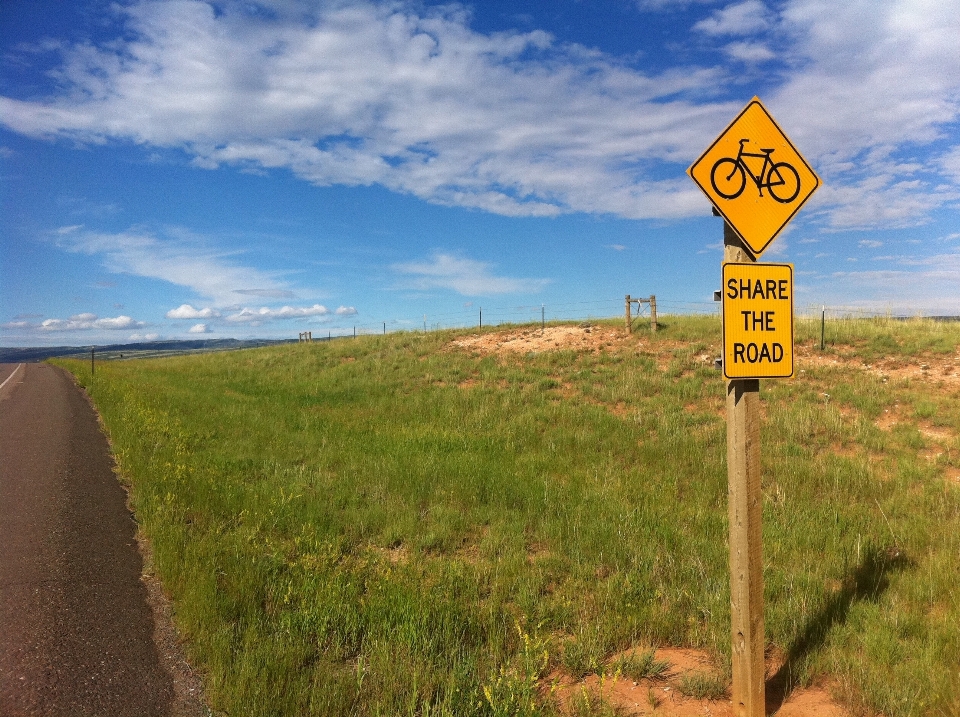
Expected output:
(11, 375)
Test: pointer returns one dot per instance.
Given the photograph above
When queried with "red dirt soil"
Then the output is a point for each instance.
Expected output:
(662, 697)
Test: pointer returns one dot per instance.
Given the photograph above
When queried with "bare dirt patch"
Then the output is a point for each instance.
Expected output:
(585, 337)
(927, 369)
(394, 554)
(845, 451)
(890, 418)
(939, 434)
(662, 695)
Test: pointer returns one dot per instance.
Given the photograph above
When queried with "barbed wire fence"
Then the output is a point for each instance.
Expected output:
(480, 316)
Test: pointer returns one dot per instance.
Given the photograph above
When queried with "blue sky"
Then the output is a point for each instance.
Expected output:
(176, 169)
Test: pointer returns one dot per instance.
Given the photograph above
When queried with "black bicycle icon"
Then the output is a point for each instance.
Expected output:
(780, 178)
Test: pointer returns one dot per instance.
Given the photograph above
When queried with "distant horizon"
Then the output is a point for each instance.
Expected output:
(322, 336)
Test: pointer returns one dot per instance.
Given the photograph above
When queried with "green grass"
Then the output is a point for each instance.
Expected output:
(703, 686)
(643, 666)
(384, 526)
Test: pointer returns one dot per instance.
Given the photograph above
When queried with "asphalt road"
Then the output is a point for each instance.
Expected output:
(76, 629)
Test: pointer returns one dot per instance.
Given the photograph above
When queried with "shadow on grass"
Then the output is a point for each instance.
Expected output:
(868, 581)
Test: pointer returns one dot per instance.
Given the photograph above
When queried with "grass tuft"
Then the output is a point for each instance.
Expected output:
(702, 686)
(643, 666)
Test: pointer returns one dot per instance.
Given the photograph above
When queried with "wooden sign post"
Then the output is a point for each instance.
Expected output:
(757, 181)
(744, 505)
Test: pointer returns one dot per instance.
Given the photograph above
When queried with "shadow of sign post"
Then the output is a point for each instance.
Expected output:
(866, 582)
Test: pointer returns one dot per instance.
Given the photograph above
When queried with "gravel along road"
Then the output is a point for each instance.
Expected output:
(81, 631)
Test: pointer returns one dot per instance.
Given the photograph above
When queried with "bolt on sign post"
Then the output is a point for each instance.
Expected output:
(757, 181)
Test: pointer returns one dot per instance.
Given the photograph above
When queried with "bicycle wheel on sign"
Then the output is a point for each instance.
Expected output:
(728, 178)
(783, 181)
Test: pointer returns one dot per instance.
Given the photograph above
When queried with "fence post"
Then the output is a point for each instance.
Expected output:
(93, 368)
(653, 312)
(823, 324)
(626, 315)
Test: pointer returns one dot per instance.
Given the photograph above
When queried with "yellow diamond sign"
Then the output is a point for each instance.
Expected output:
(755, 177)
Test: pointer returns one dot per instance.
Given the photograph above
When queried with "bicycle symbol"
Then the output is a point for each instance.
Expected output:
(781, 179)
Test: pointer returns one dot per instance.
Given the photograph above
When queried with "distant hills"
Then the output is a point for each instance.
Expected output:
(141, 349)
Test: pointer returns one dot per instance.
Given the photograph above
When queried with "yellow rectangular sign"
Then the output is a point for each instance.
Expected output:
(757, 320)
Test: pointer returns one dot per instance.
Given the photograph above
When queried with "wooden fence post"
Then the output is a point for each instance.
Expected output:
(626, 309)
(653, 312)
(745, 505)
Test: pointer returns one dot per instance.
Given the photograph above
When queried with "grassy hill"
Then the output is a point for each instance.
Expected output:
(459, 523)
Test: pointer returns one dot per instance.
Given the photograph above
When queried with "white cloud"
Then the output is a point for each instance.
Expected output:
(743, 18)
(513, 123)
(177, 256)
(950, 163)
(87, 321)
(518, 123)
(870, 243)
(258, 316)
(929, 285)
(749, 51)
(346, 311)
(465, 276)
(186, 311)
(144, 337)
(16, 325)
(199, 329)
(874, 73)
